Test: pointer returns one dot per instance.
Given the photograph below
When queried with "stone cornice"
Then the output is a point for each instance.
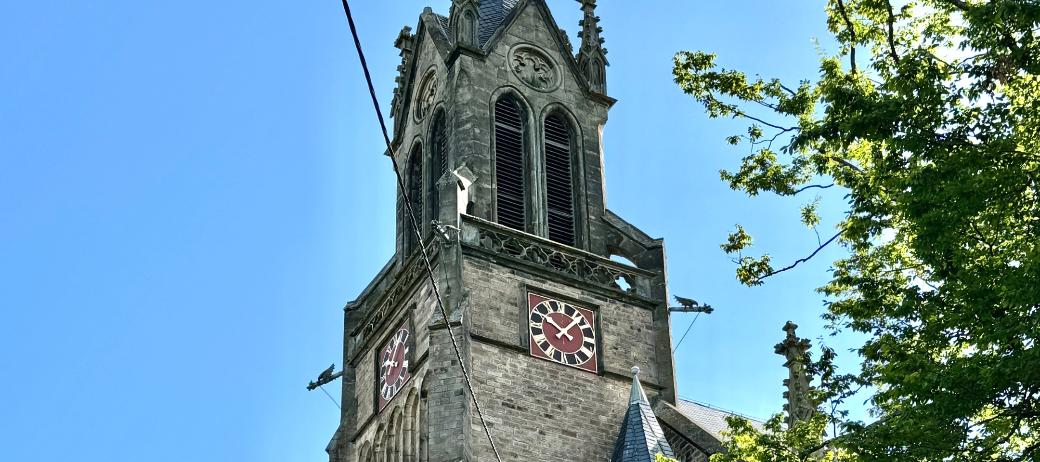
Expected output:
(387, 298)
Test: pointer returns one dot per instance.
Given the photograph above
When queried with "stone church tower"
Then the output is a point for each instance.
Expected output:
(498, 122)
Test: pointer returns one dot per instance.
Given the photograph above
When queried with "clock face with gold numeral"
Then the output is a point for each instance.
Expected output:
(562, 332)
(392, 366)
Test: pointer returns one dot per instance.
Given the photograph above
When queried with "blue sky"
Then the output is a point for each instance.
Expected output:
(192, 190)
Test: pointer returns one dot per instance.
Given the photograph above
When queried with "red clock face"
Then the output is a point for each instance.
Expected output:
(563, 333)
(392, 366)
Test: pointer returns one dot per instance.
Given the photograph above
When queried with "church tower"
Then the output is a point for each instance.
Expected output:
(497, 129)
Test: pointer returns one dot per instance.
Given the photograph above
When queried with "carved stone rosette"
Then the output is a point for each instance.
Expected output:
(534, 68)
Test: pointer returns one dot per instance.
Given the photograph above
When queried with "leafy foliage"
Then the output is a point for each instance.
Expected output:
(928, 117)
(776, 443)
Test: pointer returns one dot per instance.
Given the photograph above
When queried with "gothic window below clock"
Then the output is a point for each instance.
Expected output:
(510, 192)
(424, 422)
(366, 453)
(398, 435)
(438, 162)
(559, 179)
(411, 419)
(415, 194)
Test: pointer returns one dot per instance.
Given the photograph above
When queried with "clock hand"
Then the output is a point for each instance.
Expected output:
(393, 354)
(549, 320)
(564, 331)
(557, 326)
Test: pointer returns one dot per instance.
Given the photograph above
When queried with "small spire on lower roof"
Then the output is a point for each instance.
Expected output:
(640, 438)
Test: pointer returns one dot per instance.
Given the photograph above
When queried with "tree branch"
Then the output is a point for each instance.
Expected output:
(960, 4)
(745, 115)
(803, 260)
(892, 32)
(847, 164)
(852, 34)
(811, 187)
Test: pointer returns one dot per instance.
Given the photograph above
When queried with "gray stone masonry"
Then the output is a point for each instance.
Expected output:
(536, 410)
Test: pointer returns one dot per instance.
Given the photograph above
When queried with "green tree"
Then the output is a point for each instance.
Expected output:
(803, 442)
(928, 117)
(807, 440)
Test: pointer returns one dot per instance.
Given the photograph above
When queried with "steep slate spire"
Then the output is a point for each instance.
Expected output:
(592, 57)
(406, 43)
(464, 22)
(799, 407)
(641, 438)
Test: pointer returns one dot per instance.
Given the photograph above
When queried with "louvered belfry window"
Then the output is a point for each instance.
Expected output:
(509, 164)
(415, 195)
(438, 162)
(559, 180)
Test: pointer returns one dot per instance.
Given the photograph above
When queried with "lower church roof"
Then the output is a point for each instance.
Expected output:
(711, 419)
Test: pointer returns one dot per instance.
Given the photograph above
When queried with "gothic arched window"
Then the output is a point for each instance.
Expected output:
(397, 455)
(415, 196)
(424, 422)
(365, 453)
(438, 162)
(559, 179)
(510, 195)
(467, 33)
(598, 81)
(410, 422)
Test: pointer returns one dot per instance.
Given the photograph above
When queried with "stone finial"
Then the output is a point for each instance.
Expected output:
(406, 43)
(464, 21)
(637, 395)
(799, 405)
(592, 57)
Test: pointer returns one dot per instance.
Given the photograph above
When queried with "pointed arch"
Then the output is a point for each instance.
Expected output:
(467, 28)
(598, 79)
(438, 164)
(411, 421)
(509, 124)
(560, 185)
(397, 436)
(423, 446)
(415, 195)
(365, 453)
(379, 444)
(388, 442)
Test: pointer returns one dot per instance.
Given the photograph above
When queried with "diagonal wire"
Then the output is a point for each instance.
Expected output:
(687, 332)
(330, 397)
(415, 227)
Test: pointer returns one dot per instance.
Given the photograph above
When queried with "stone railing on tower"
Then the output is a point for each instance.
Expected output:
(556, 259)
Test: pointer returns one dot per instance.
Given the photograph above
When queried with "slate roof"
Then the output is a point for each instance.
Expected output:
(710, 419)
(444, 21)
(641, 437)
(492, 13)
